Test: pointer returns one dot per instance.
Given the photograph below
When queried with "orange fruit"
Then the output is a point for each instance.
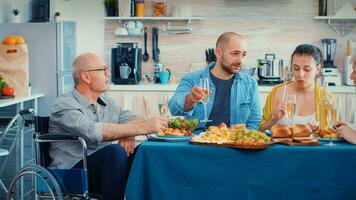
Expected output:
(10, 40)
(20, 40)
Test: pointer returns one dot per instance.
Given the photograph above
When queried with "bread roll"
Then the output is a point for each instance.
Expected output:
(281, 131)
(301, 130)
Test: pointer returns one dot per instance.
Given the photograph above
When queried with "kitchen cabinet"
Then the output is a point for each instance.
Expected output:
(143, 99)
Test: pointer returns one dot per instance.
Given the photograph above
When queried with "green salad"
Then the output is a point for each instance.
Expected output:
(188, 124)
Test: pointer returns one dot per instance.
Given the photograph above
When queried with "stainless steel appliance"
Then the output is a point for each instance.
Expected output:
(126, 54)
(270, 69)
(330, 72)
(52, 50)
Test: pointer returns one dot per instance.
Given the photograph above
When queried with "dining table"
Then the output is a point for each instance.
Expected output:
(180, 170)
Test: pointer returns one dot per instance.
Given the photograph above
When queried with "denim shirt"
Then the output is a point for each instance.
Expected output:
(244, 104)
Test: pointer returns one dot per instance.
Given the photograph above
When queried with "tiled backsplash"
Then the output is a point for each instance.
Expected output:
(275, 26)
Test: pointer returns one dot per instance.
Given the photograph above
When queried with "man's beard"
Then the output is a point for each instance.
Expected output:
(229, 69)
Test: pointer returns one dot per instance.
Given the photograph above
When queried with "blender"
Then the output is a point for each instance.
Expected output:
(330, 72)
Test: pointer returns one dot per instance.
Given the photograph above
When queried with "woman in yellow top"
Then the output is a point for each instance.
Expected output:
(343, 129)
(306, 62)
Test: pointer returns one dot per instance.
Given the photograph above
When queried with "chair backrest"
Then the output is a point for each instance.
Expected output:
(41, 128)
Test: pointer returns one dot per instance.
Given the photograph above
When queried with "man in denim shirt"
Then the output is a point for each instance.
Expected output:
(234, 97)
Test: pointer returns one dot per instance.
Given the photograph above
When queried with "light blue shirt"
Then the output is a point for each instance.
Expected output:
(245, 100)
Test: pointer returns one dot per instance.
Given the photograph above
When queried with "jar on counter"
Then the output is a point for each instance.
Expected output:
(139, 8)
(159, 8)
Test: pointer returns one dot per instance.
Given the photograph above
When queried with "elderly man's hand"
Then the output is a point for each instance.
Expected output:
(128, 144)
(155, 124)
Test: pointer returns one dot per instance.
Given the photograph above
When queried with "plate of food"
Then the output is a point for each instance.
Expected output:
(235, 137)
(178, 130)
(328, 135)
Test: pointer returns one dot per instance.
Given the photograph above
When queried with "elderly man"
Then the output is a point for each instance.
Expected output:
(234, 97)
(87, 113)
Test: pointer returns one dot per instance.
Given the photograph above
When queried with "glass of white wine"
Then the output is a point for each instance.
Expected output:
(332, 113)
(204, 84)
(163, 107)
(291, 106)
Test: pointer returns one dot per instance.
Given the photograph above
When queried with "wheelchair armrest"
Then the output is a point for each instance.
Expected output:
(45, 138)
(57, 137)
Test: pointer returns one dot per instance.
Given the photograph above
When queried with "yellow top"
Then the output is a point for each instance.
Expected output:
(268, 109)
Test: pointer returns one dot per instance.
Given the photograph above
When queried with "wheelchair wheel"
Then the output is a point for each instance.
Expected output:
(44, 175)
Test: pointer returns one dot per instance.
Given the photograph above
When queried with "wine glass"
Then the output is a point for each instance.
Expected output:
(291, 105)
(332, 113)
(163, 107)
(204, 85)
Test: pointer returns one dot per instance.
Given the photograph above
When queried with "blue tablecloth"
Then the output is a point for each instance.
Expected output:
(163, 170)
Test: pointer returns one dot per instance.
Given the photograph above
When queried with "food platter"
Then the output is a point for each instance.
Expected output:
(166, 138)
(232, 145)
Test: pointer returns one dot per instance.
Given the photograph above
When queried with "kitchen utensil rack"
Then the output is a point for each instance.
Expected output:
(169, 28)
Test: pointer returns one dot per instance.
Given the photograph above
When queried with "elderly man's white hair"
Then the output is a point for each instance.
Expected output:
(84, 62)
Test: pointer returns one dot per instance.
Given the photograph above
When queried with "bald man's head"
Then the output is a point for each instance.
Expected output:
(83, 63)
(224, 39)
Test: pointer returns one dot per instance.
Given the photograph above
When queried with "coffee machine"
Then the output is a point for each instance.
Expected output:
(126, 64)
(270, 70)
(330, 72)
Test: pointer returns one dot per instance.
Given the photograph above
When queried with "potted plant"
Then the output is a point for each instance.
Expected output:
(110, 7)
(57, 17)
(15, 17)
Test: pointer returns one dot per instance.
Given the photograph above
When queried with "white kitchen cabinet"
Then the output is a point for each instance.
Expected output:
(351, 110)
(141, 103)
(143, 99)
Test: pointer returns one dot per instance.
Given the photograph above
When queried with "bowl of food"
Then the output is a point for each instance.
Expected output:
(248, 70)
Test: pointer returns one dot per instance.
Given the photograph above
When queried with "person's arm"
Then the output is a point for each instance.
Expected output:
(112, 131)
(76, 122)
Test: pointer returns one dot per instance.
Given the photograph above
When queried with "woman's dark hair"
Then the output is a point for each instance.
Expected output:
(310, 50)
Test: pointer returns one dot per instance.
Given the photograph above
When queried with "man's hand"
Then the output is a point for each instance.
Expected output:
(346, 132)
(195, 95)
(155, 124)
(128, 144)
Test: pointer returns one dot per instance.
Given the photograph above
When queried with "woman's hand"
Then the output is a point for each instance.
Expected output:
(314, 125)
(279, 111)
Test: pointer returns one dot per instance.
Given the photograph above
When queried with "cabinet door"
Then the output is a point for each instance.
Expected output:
(351, 112)
(263, 97)
(143, 104)
(341, 105)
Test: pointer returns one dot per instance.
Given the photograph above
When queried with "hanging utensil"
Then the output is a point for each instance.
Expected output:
(145, 55)
(155, 49)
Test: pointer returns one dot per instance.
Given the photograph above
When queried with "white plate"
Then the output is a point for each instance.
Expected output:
(156, 137)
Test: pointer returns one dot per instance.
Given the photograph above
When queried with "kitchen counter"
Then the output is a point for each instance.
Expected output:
(172, 88)
(16, 100)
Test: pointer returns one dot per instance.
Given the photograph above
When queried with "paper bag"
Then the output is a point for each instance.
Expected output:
(14, 68)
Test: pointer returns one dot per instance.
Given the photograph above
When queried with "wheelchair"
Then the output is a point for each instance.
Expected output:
(51, 183)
